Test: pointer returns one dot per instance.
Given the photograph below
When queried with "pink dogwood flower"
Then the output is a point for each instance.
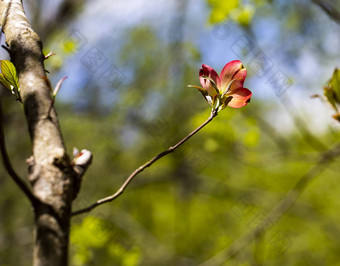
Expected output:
(226, 89)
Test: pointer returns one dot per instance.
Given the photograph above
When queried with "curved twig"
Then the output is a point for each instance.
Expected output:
(142, 167)
(8, 166)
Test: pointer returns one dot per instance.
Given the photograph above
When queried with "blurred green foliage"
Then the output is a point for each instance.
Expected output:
(234, 10)
(191, 204)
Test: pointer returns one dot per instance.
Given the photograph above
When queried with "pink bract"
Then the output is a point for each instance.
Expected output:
(226, 89)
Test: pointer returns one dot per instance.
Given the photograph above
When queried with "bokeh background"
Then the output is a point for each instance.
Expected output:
(126, 99)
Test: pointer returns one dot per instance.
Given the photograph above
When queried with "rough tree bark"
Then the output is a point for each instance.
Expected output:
(51, 174)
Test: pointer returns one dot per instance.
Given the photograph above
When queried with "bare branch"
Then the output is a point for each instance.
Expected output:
(329, 8)
(141, 168)
(8, 166)
(278, 211)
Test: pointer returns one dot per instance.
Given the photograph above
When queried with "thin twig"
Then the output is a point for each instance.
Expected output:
(277, 212)
(141, 168)
(8, 166)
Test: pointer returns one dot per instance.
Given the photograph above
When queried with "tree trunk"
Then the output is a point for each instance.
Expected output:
(50, 171)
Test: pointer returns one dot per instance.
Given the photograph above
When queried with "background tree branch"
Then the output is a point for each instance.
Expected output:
(329, 8)
(8, 166)
(278, 210)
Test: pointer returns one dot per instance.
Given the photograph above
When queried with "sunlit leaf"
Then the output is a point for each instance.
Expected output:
(329, 94)
(335, 83)
(332, 90)
(4, 82)
(9, 73)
